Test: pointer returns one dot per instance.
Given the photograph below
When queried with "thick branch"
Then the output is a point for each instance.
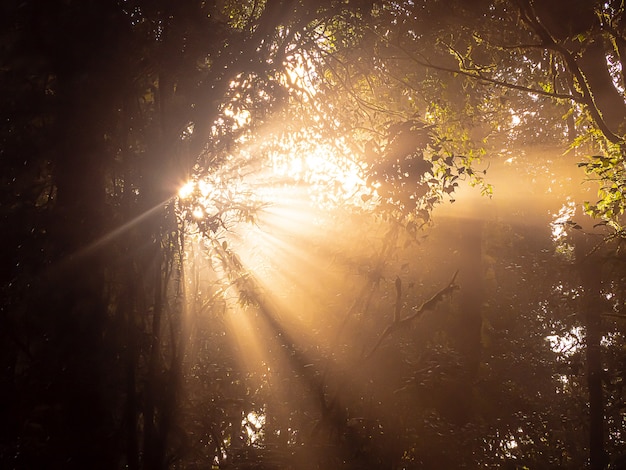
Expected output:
(480, 77)
(430, 304)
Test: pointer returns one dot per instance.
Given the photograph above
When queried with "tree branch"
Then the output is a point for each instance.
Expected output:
(480, 77)
(427, 305)
(529, 16)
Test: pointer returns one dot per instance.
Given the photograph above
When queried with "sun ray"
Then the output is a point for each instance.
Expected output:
(272, 234)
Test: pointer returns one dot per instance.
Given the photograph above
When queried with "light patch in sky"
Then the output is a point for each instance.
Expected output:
(299, 74)
(567, 344)
(240, 117)
(254, 423)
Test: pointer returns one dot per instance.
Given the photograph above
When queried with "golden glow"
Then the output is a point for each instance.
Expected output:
(303, 263)
(299, 75)
(198, 212)
(322, 173)
(332, 177)
(253, 424)
(186, 190)
(284, 256)
(559, 224)
(292, 271)
(240, 117)
(568, 343)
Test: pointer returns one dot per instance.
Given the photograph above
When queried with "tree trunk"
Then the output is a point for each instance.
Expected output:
(468, 318)
(590, 274)
(153, 449)
(606, 97)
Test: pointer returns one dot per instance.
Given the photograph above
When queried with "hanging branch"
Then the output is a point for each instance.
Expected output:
(427, 305)
(530, 17)
(477, 74)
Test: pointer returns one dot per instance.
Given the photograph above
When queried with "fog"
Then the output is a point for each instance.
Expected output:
(324, 286)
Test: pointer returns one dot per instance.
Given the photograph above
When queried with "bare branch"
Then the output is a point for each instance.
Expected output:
(619, 316)
(396, 313)
(430, 304)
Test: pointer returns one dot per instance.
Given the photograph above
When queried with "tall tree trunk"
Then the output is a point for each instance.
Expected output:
(606, 97)
(590, 269)
(153, 450)
(468, 318)
(80, 311)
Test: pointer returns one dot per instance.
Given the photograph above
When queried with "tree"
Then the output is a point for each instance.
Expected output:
(553, 51)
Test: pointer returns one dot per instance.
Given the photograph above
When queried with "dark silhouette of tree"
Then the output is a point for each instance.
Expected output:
(109, 105)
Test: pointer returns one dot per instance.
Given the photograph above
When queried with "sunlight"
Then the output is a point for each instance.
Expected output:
(186, 190)
(268, 222)
(240, 117)
(558, 226)
(299, 72)
(321, 173)
(260, 221)
(326, 169)
(230, 238)
(510, 445)
(259, 214)
(560, 219)
(253, 423)
(566, 344)
(198, 213)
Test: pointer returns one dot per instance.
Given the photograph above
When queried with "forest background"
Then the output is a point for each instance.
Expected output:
(293, 234)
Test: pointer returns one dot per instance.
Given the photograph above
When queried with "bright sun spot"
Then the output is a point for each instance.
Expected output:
(241, 117)
(186, 190)
(198, 213)
(566, 344)
(261, 211)
(253, 423)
